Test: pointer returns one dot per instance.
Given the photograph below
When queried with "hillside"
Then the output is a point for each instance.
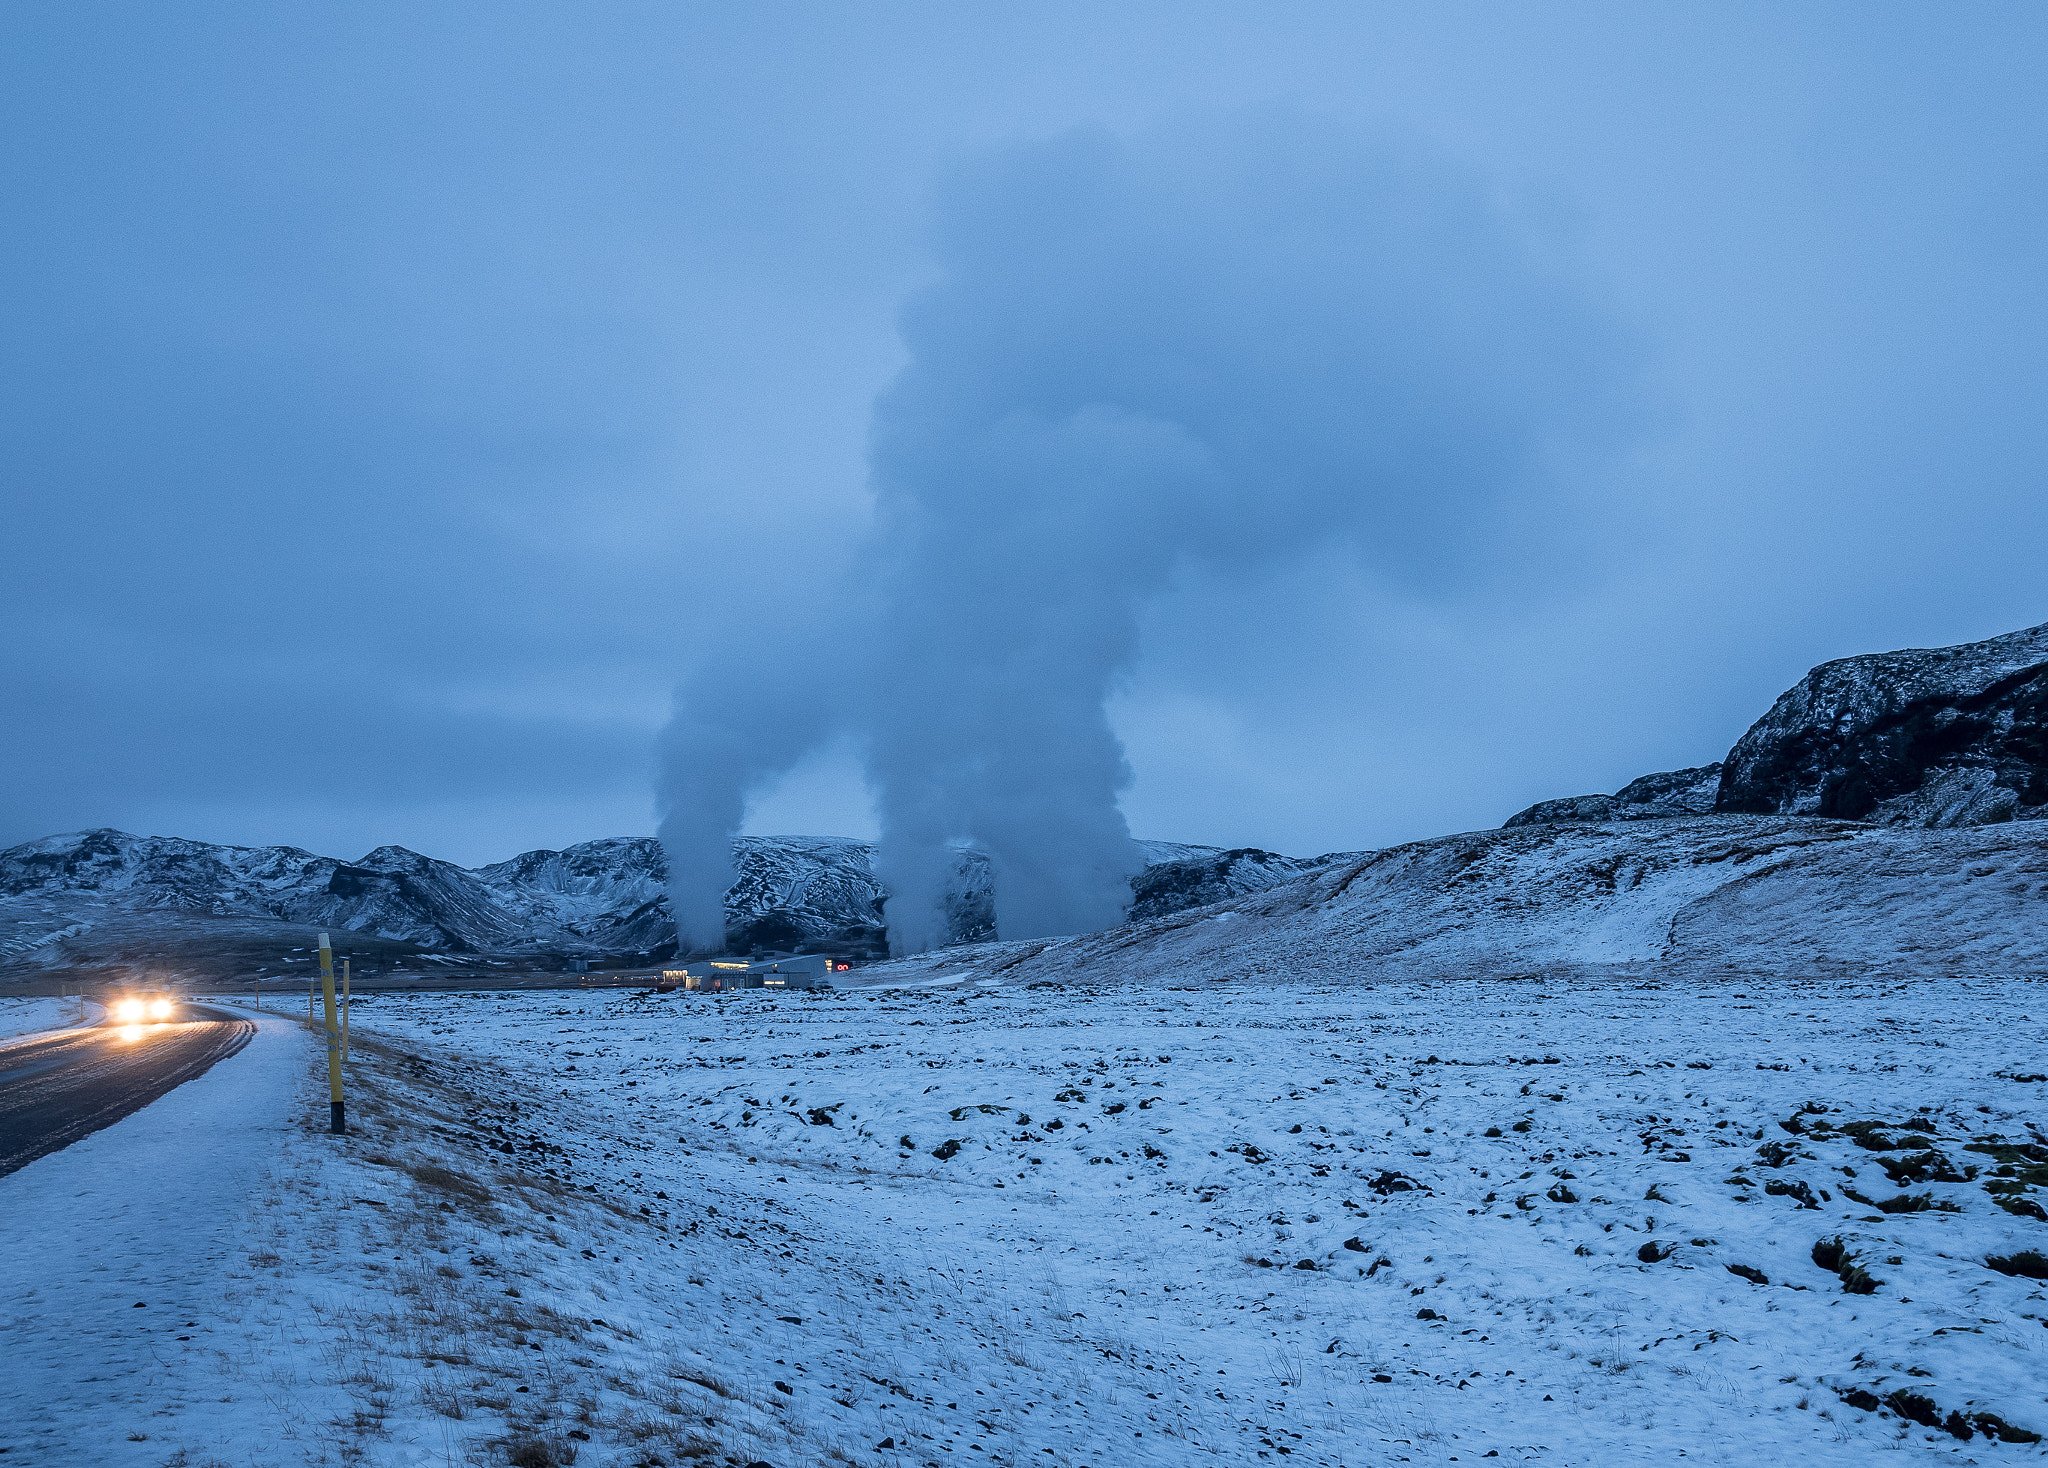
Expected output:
(1772, 894)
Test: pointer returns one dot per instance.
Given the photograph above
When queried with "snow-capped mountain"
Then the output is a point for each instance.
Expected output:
(391, 892)
(597, 899)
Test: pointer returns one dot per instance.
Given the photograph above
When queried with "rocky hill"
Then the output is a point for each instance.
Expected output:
(1951, 736)
(1940, 737)
(600, 900)
(1747, 896)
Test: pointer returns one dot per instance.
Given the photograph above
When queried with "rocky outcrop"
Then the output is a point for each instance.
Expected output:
(1216, 876)
(1936, 737)
(1665, 795)
(1951, 736)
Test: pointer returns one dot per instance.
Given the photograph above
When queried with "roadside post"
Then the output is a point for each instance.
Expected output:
(335, 1123)
(344, 1009)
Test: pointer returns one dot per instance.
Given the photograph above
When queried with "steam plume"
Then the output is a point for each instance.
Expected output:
(1219, 346)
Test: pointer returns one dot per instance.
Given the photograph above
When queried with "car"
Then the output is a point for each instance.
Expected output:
(135, 1008)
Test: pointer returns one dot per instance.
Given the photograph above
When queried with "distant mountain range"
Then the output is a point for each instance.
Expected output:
(601, 900)
(1934, 739)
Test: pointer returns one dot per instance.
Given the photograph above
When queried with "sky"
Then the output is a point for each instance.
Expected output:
(399, 403)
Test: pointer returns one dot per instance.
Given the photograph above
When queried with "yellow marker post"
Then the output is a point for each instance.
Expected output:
(335, 1123)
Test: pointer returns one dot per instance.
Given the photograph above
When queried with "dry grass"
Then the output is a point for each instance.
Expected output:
(448, 1180)
(465, 1333)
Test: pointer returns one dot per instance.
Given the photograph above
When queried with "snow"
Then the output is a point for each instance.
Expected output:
(123, 1286)
(1777, 894)
(1047, 1293)
(20, 1017)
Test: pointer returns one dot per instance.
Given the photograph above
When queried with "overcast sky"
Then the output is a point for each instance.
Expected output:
(397, 401)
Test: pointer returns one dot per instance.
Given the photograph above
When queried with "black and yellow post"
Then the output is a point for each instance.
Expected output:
(334, 1122)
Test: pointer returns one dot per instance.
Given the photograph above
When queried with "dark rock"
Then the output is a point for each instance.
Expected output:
(1758, 1277)
(2026, 1264)
(1954, 736)
(1921, 1167)
(1778, 1188)
(1996, 1427)
(1914, 1407)
(946, 1151)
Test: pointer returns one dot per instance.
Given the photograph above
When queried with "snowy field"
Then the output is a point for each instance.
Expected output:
(21, 1017)
(1147, 1225)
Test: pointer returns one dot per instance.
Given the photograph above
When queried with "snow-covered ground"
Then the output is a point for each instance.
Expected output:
(124, 1280)
(20, 1016)
(1143, 1224)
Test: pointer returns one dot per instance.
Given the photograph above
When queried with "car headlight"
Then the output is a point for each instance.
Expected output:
(161, 1009)
(128, 1009)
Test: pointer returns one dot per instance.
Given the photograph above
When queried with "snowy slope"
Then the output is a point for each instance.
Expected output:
(1103, 1224)
(1775, 893)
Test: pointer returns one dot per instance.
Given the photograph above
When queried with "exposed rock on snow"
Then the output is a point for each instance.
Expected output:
(1649, 797)
(1951, 736)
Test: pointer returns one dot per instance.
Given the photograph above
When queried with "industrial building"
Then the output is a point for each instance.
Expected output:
(720, 975)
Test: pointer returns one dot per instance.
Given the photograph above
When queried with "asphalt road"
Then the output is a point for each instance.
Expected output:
(59, 1088)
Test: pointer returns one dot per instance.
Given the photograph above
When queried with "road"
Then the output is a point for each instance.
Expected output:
(59, 1088)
